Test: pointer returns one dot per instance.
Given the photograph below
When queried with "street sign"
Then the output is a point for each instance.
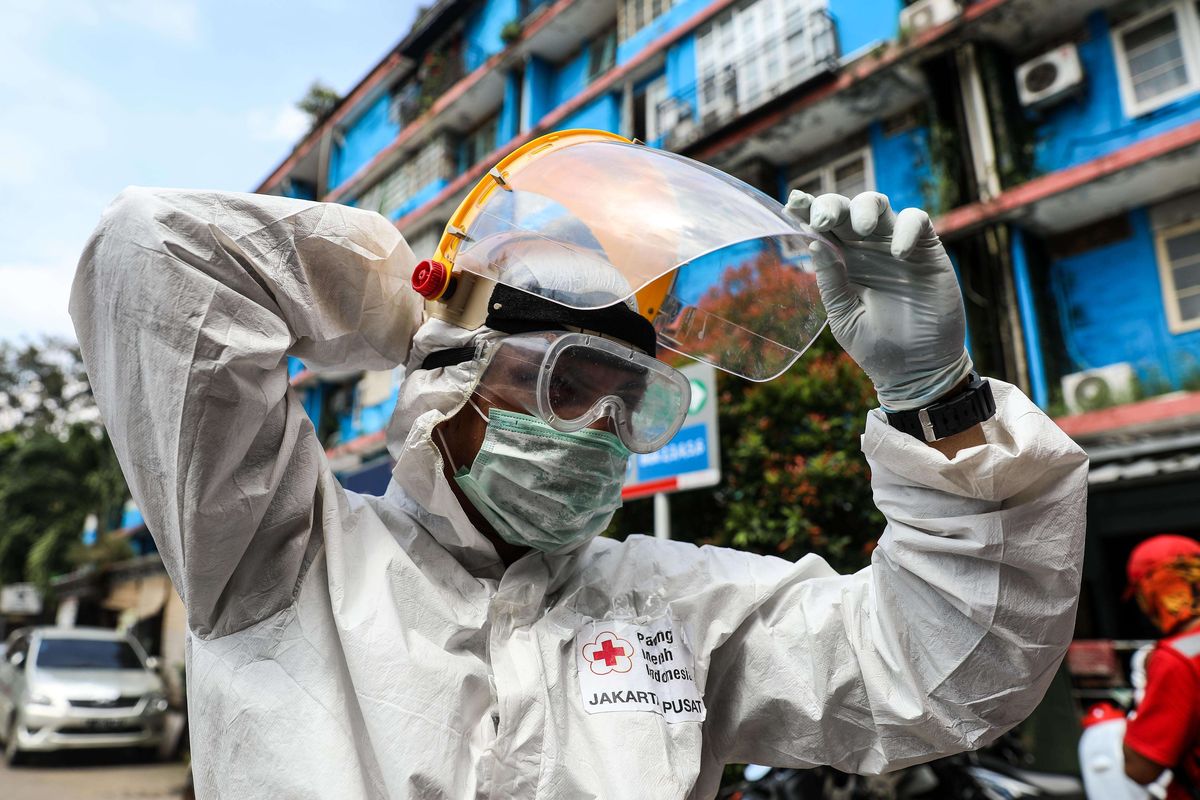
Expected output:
(691, 460)
(90, 525)
(20, 598)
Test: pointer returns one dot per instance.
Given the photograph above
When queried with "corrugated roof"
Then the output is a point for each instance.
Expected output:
(1144, 457)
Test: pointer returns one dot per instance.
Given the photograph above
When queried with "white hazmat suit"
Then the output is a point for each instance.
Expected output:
(346, 646)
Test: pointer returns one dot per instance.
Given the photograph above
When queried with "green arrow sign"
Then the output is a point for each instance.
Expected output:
(699, 396)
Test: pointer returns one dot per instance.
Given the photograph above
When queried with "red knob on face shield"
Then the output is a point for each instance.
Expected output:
(429, 279)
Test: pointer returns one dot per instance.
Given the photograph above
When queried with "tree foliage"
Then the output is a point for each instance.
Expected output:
(56, 462)
(43, 386)
(318, 102)
(795, 481)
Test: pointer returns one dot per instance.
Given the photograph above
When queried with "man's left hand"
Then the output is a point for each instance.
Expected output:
(894, 304)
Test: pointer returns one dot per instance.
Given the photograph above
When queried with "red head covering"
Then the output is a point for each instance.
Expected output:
(1164, 573)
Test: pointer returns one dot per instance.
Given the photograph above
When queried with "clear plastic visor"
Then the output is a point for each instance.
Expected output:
(571, 380)
(738, 286)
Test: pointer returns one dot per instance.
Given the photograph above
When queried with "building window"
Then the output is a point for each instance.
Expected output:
(431, 163)
(602, 54)
(755, 52)
(1179, 266)
(1158, 56)
(652, 104)
(479, 142)
(633, 15)
(848, 176)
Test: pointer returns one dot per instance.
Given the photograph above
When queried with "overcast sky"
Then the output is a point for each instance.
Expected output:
(96, 95)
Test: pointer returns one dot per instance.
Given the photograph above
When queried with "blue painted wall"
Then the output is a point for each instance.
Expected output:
(357, 422)
(299, 190)
(571, 79)
(481, 35)
(375, 418)
(1093, 123)
(369, 134)
(540, 79)
(311, 398)
(509, 124)
(1111, 309)
(673, 18)
(603, 113)
(681, 72)
(864, 23)
(901, 164)
(294, 366)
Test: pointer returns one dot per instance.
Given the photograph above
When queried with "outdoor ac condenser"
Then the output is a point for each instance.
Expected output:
(1094, 389)
(925, 14)
(1050, 77)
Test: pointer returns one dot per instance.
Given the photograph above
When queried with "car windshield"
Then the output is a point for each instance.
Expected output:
(87, 654)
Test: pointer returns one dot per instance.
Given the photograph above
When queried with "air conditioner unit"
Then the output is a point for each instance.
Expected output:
(1051, 76)
(925, 14)
(1094, 389)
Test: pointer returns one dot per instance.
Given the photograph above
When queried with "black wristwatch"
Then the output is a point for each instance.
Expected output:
(947, 417)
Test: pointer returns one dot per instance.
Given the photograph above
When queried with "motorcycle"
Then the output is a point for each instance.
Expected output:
(995, 774)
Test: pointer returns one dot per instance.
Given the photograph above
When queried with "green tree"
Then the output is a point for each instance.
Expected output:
(56, 463)
(319, 102)
(48, 486)
(795, 480)
(43, 386)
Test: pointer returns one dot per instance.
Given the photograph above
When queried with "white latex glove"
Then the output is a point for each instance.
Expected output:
(895, 306)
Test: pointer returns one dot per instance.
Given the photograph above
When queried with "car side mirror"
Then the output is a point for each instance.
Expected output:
(152, 663)
(16, 659)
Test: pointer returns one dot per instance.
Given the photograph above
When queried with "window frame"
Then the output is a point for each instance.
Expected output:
(601, 53)
(629, 21)
(655, 93)
(1166, 274)
(826, 172)
(472, 138)
(1187, 23)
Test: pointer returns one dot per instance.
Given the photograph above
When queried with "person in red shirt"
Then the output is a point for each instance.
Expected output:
(1164, 733)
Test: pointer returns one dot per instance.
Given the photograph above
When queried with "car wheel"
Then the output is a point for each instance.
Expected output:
(12, 751)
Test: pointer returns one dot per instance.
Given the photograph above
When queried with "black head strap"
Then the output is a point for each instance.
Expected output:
(447, 358)
(515, 311)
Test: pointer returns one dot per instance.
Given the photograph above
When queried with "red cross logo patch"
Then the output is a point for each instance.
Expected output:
(609, 653)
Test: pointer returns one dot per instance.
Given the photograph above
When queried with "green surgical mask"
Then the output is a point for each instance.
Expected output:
(543, 488)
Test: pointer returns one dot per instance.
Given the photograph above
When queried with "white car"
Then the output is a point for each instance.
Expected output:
(65, 688)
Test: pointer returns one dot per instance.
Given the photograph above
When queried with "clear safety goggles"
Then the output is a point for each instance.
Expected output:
(571, 380)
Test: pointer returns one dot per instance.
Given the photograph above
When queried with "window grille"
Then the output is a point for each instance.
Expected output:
(848, 176)
(633, 15)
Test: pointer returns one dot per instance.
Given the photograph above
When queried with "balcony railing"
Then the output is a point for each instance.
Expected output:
(766, 70)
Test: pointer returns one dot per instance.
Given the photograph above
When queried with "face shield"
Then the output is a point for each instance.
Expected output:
(571, 380)
(716, 266)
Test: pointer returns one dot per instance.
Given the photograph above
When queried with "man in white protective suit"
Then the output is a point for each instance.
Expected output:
(466, 635)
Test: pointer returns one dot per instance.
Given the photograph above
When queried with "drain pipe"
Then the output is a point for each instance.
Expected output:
(1035, 364)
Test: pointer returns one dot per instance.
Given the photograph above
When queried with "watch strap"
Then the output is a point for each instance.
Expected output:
(947, 417)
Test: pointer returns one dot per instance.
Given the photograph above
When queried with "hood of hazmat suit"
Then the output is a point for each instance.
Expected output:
(350, 646)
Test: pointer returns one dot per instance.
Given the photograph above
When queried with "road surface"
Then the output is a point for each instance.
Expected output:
(92, 776)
